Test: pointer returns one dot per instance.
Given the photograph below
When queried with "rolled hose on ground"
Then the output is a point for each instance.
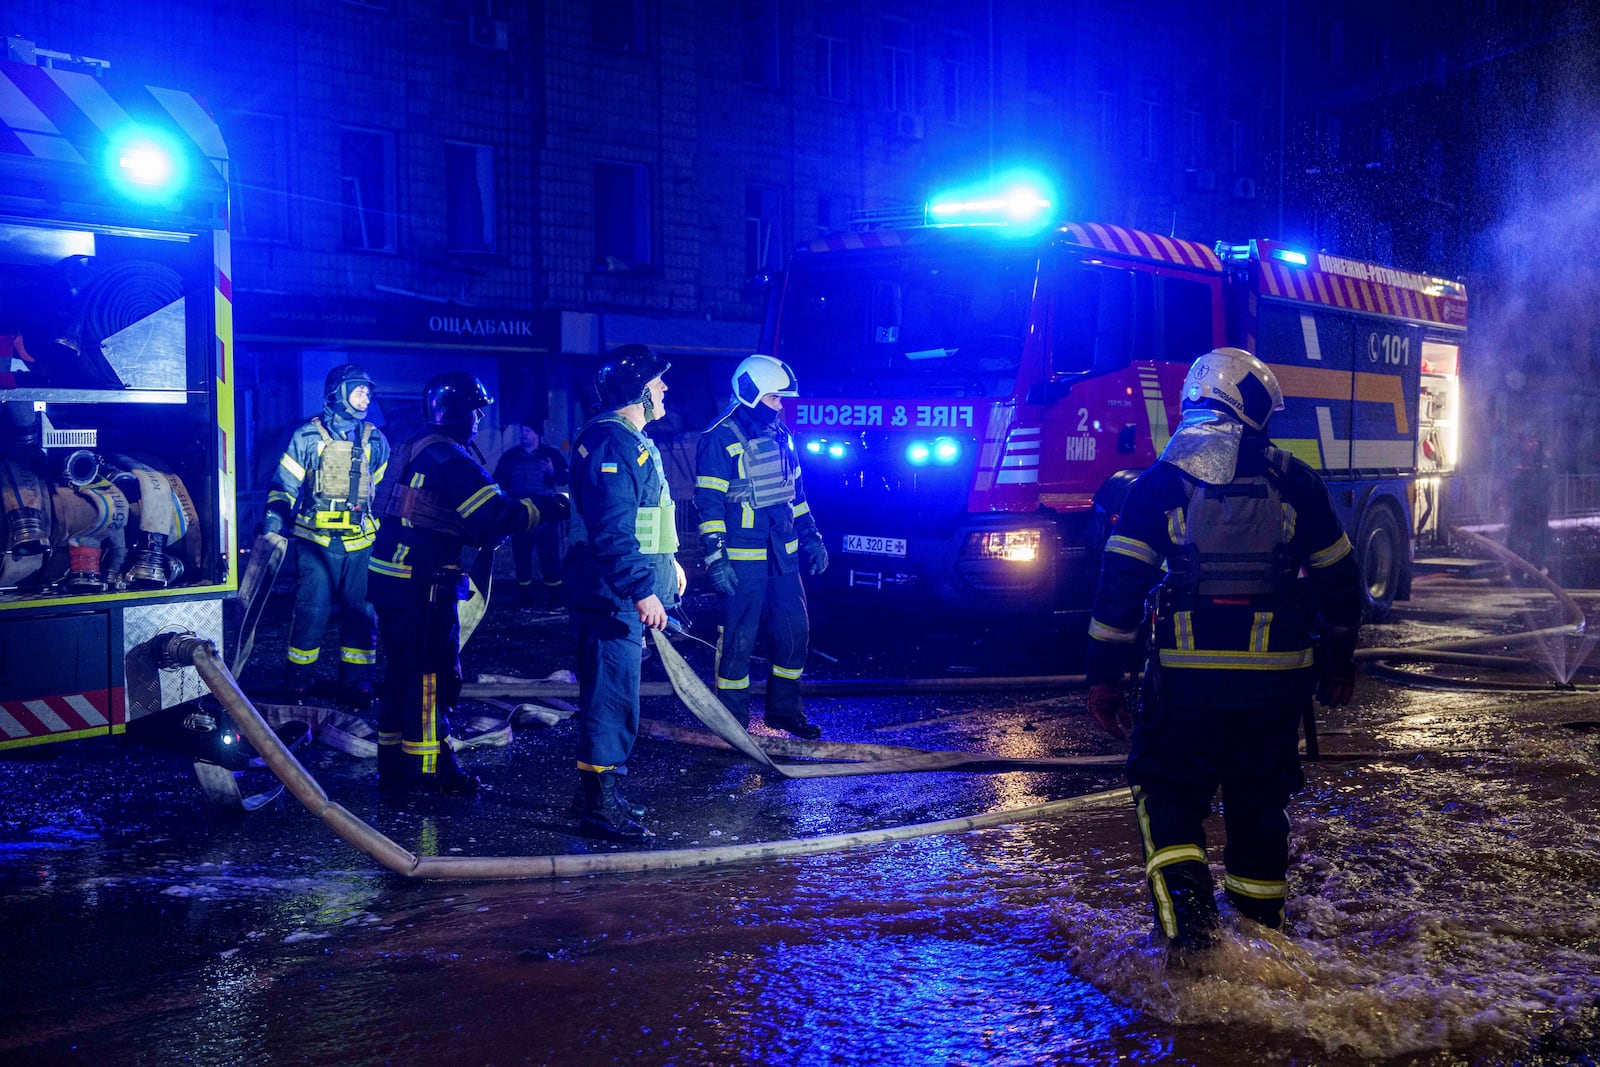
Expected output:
(392, 856)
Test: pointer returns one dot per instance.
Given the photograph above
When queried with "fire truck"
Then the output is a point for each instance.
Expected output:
(116, 394)
(979, 391)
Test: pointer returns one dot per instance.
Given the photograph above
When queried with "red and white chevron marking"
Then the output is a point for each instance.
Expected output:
(55, 716)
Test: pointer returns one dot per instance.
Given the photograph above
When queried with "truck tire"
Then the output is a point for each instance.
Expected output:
(1381, 554)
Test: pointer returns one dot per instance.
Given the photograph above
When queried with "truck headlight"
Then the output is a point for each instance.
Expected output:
(1014, 546)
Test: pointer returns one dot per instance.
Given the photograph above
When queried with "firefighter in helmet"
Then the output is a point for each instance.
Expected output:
(442, 500)
(1228, 560)
(621, 577)
(757, 534)
(324, 486)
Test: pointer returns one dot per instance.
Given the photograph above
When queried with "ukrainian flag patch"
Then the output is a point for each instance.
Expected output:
(608, 468)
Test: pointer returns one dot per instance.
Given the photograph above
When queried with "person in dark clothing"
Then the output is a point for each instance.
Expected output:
(758, 534)
(621, 578)
(1528, 526)
(535, 470)
(442, 500)
(324, 486)
(1229, 559)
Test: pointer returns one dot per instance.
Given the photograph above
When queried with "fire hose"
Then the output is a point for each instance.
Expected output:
(203, 655)
(187, 648)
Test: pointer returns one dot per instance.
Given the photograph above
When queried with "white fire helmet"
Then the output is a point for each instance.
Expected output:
(1233, 381)
(758, 376)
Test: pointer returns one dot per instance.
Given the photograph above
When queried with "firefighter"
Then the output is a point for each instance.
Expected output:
(324, 486)
(442, 500)
(757, 534)
(535, 470)
(1228, 559)
(621, 577)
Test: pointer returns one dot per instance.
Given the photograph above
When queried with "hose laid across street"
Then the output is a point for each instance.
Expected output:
(865, 759)
(392, 856)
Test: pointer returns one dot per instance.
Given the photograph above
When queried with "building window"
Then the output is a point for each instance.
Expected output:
(1194, 141)
(833, 54)
(618, 24)
(367, 188)
(1330, 39)
(898, 76)
(1150, 115)
(759, 27)
(258, 167)
(1106, 120)
(959, 78)
(621, 216)
(1382, 52)
(469, 197)
(763, 244)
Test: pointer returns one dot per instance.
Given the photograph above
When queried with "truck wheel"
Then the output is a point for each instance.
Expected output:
(1380, 552)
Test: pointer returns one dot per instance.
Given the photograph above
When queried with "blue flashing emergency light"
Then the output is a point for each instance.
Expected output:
(918, 453)
(1290, 256)
(946, 450)
(836, 450)
(814, 447)
(146, 164)
(1020, 200)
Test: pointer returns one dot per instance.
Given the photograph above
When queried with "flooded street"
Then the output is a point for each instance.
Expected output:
(1443, 900)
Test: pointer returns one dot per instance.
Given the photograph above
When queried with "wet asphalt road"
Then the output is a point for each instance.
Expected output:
(129, 903)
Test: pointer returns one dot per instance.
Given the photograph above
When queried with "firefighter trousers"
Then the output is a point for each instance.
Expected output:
(1180, 758)
(321, 575)
(610, 657)
(421, 684)
(774, 601)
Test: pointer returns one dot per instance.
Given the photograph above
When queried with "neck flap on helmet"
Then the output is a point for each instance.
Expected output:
(1205, 446)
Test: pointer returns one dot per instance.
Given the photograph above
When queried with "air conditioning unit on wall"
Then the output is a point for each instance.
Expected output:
(489, 33)
(1244, 188)
(908, 124)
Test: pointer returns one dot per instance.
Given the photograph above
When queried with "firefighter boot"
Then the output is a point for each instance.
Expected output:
(603, 812)
(632, 810)
(784, 708)
(408, 775)
(800, 727)
(1194, 911)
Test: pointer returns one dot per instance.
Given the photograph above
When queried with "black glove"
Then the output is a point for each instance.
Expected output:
(723, 580)
(1336, 670)
(1108, 704)
(272, 522)
(553, 507)
(815, 555)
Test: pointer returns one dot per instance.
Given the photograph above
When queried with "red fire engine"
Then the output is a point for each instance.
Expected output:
(116, 394)
(977, 394)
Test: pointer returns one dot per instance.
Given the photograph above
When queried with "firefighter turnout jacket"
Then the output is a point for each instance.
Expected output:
(327, 477)
(624, 520)
(442, 501)
(749, 494)
(1238, 580)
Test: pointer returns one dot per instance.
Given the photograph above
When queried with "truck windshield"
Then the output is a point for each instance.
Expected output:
(937, 320)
